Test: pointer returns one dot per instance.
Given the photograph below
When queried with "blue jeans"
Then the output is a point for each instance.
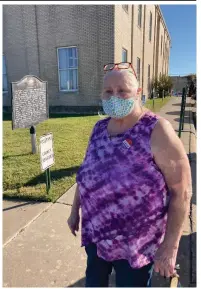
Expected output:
(98, 271)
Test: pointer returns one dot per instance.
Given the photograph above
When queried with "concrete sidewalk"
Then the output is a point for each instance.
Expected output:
(39, 250)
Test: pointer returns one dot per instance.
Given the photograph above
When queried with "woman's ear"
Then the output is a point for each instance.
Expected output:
(138, 93)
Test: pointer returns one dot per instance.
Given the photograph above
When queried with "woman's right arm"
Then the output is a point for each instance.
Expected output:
(76, 201)
(74, 219)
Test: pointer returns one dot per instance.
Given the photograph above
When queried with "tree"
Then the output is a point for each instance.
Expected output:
(191, 79)
(163, 83)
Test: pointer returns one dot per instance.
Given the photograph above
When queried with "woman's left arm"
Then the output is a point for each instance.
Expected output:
(171, 158)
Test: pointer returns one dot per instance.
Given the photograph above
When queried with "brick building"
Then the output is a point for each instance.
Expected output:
(67, 45)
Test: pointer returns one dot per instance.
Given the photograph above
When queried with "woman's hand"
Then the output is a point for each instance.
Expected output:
(73, 222)
(165, 260)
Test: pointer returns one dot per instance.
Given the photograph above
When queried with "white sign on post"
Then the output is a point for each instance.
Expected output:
(46, 151)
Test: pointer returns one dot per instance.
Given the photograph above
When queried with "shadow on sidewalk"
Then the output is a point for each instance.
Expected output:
(79, 283)
(55, 175)
(186, 119)
(186, 258)
(178, 104)
(173, 112)
(19, 205)
(187, 252)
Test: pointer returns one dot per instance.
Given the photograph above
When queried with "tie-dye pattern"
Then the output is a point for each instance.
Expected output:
(123, 194)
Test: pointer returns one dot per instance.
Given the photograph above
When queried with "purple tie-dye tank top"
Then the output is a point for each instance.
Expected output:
(123, 194)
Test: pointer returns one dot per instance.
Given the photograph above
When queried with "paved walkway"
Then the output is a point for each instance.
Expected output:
(39, 250)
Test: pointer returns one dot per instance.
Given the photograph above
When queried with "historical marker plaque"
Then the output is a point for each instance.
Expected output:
(29, 102)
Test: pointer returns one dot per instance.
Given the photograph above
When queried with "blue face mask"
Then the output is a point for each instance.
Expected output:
(118, 107)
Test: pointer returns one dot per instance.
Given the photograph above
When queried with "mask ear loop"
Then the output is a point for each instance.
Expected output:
(100, 114)
(101, 111)
(141, 105)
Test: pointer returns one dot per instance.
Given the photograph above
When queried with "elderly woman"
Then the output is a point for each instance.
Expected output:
(132, 187)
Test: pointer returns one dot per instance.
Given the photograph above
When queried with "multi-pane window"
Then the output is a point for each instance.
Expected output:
(138, 69)
(150, 26)
(140, 16)
(68, 68)
(5, 81)
(124, 55)
(125, 7)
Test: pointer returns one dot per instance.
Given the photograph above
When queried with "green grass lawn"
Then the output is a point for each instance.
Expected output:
(22, 176)
(158, 103)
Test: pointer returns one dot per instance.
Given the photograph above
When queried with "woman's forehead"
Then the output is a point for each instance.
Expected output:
(119, 78)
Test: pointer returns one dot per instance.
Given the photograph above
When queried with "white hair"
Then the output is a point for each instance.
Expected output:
(129, 73)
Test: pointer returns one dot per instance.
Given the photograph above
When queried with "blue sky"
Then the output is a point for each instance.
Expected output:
(181, 23)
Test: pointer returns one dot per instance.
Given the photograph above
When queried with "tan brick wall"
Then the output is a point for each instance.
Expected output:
(160, 55)
(89, 27)
(122, 32)
(148, 49)
(138, 41)
(161, 60)
(123, 38)
(19, 43)
(166, 55)
(32, 34)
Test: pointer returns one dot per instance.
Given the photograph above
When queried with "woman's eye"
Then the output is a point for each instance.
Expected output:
(121, 91)
(108, 91)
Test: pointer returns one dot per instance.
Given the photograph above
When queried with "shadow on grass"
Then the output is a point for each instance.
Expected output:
(55, 175)
(13, 156)
(186, 258)
(8, 116)
(19, 198)
(63, 115)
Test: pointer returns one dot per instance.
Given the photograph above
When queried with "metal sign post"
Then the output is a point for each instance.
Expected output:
(184, 108)
(47, 157)
(153, 94)
(33, 140)
(181, 120)
(48, 180)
